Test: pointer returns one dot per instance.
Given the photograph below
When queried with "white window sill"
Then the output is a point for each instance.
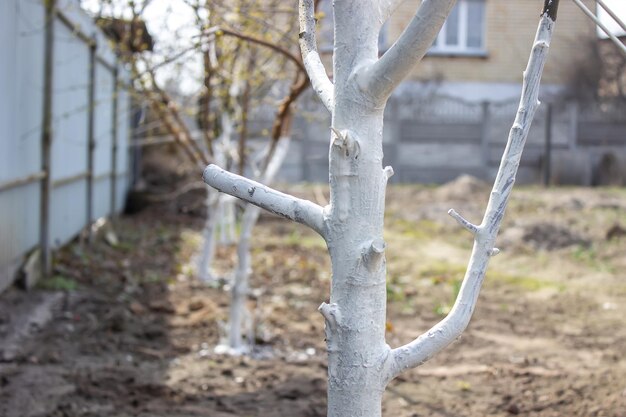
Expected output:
(469, 53)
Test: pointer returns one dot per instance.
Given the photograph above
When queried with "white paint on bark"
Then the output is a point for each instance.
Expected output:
(208, 248)
(239, 289)
(451, 327)
(360, 363)
(320, 82)
(214, 206)
(296, 209)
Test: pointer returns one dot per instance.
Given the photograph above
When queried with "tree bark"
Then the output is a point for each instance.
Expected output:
(239, 290)
(360, 363)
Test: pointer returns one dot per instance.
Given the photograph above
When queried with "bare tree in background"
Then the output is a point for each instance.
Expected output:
(239, 67)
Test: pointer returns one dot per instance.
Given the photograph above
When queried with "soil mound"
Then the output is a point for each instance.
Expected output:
(464, 187)
(543, 236)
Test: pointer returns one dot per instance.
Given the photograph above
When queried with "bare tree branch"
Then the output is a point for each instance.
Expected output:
(451, 327)
(380, 78)
(217, 31)
(320, 82)
(296, 209)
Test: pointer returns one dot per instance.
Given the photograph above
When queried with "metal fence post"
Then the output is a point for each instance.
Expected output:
(114, 142)
(46, 140)
(91, 142)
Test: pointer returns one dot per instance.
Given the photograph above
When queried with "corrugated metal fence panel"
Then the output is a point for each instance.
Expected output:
(8, 38)
(22, 38)
(21, 78)
(69, 132)
(104, 140)
(8, 53)
(30, 78)
(123, 142)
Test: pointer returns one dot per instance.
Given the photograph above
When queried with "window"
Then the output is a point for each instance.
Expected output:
(463, 33)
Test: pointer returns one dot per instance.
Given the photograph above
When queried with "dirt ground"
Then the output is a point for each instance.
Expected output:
(124, 328)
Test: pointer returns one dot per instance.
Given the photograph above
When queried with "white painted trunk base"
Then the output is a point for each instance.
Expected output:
(239, 289)
(360, 363)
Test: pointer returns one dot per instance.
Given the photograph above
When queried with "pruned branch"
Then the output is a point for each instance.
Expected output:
(380, 78)
(472, 228)
(451, 327)
(320, 82)
(296, 209)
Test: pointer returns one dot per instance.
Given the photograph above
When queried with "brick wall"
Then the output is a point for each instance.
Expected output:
(510, 29)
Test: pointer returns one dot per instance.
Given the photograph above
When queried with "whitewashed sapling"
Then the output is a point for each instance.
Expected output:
(360, 363)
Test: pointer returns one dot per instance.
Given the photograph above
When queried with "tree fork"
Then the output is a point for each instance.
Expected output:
(360, 363)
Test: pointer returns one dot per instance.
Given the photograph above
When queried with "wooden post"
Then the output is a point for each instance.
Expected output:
(46, 140)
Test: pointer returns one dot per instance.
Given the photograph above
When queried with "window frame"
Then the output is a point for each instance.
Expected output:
(439, 47)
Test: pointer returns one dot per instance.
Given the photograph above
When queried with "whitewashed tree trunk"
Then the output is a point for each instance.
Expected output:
(239, 290)
(208, 236)
(360, 363)
(227, 220)
(214, 207)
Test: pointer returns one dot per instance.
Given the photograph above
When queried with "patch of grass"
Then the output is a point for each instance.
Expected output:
(297, 238)
(151, 277)
(444, 308)
(524, 282)
(124, 246)
(419, 230)
(58, 283)
(191, 238)
(395, 293)
(464, 385)
(588, 255)
(442, 272)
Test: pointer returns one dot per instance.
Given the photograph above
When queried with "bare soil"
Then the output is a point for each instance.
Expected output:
(131, 332)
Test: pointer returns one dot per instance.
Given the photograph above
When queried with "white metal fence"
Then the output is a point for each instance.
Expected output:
(64, 128)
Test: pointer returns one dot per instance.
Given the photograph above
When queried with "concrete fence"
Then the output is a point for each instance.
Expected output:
(64, 128)
(434, 139)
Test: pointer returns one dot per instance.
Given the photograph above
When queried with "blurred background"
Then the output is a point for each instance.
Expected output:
(110, 109)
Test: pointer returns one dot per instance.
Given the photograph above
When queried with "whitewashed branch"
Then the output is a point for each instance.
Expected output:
(451, 327)
(380, 78)
(320, 82)
(387, 7)
(296, 209)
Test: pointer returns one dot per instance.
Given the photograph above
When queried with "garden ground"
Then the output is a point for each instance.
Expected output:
(124, 328)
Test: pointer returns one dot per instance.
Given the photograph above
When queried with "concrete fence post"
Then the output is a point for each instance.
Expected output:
(547, 156)
(574, 113)
(484, 139)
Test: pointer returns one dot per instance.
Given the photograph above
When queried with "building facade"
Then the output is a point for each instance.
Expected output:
(484, 44)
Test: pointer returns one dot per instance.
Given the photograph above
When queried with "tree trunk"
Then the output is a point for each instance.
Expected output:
(209, 237)
(239, 290)
(360, 363)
